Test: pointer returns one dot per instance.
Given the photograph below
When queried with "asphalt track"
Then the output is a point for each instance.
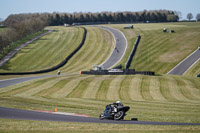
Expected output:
(13, 81)
(185, 65)
(119, 50)
(10, 113)
(8, 82)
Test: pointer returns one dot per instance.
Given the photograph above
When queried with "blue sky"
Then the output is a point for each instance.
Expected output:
(8, 7)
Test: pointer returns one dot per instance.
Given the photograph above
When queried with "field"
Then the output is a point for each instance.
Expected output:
(158, 51)
(164, 98)
(2, 29)
(19, 126)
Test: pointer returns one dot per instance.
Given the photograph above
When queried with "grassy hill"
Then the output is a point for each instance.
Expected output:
(98, 46)
(165, 98)
(158, 51)
(152, 98)
(46, 52)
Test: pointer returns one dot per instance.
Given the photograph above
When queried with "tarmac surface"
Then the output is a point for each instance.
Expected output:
(186, 64)
(119, 50)
(13, 81)
(11, 113)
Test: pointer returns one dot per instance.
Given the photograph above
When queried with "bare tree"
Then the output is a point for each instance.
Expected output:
(198, 17)
(189, 16)
(179, 14)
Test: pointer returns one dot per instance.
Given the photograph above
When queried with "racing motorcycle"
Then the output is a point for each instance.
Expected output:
(112, 112)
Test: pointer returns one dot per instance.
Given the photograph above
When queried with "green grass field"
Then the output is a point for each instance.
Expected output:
(98, 45)
(164, 98)
(158, 51)
(46, 52)
(152, 98)
(19, 126)
(2, 29)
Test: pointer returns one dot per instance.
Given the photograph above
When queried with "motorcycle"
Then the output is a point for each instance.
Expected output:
(112, 112)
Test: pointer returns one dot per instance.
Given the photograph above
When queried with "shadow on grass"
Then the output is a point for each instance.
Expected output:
(6, 66)
(55, 30)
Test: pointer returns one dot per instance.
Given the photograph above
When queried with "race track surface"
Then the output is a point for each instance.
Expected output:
(119, 50)
(10, 113)
(183, 66)
(8, 82)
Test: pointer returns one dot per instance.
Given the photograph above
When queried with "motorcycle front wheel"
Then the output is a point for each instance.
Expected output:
(119, 115)
(101, 116)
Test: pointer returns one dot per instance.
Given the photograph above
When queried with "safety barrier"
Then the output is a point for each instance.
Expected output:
(117, 72)
(127, 65)
(55, 67)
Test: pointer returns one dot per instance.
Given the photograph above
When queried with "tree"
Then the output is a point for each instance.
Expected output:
(189, 16)
(198, 17)
(178, 14)
(172, 18)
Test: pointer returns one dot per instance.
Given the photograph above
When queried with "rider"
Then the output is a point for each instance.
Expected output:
(119, 104)
(113, 107)
(116, 105)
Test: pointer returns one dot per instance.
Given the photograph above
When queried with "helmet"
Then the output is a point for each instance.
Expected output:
(118, 102)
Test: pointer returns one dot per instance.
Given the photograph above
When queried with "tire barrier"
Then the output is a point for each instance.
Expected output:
(117, 72)
(127, 65)
(55, 67)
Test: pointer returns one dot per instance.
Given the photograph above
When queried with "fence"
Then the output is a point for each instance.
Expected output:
(121, 72)
(127, 65)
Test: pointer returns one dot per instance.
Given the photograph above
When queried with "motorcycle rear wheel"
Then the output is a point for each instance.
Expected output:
(119, 115)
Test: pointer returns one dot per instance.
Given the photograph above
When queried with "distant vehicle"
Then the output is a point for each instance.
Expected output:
(198, 75)
(129, 27)
(66, 25)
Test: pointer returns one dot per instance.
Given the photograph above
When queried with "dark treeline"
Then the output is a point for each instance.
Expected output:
(21, 25)
(54, 19)
(112, 17)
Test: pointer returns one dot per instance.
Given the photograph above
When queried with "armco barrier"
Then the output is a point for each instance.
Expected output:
(55, 67)
(127, 65)
(121, 72)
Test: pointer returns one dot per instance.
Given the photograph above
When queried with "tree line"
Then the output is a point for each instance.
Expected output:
(112, 17)
(21, 25)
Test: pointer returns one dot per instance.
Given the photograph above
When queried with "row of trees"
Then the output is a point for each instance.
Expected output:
(103, 17)
(113, 17)
(190, 16)
(19, 26)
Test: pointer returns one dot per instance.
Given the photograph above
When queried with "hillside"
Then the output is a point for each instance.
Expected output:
(152, 98)
(46, 52)
(165, 98)
(158, 51)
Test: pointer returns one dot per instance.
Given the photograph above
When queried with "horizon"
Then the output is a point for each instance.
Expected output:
(64, 6)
